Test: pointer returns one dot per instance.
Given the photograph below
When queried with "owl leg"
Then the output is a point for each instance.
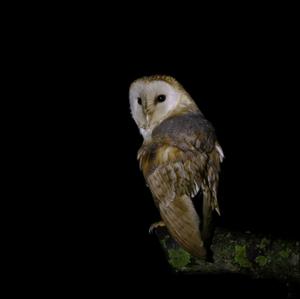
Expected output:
(155, 225)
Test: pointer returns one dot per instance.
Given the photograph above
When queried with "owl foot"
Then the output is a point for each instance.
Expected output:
(155, 225)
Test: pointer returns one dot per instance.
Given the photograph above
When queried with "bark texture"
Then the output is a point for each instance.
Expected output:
(244, 253)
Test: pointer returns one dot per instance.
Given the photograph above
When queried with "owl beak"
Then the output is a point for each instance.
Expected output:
(147, 115)
(148, 119)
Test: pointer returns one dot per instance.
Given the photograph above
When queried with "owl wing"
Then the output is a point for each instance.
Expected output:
(175, 169)
(172, 188)
(196, 138)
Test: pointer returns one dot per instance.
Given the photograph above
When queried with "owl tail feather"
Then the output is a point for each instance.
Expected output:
(182, 221)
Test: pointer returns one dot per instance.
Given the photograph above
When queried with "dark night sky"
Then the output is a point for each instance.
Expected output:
(245, 86)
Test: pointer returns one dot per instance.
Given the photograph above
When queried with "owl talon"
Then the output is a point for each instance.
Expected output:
(156, 225)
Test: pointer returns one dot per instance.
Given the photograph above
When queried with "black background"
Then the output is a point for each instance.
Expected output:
(244, 82)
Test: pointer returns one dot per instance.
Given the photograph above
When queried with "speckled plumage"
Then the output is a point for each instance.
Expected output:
(180, 158)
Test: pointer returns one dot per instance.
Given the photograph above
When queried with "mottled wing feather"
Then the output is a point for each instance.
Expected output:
(182, 221)
(213, 169)
(175, 180)
(170, 185)
(181, 159)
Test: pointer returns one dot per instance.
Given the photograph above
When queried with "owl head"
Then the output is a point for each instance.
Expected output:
(155, 98)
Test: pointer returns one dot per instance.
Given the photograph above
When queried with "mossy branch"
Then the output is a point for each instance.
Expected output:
(243, 253)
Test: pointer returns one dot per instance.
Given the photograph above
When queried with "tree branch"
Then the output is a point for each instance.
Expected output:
(244, 253)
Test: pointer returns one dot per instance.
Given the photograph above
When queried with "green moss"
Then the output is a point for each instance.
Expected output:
(263, 243)
(241, 256)
(163, 243)
(284, 253)
(261, 260)
(179, 258)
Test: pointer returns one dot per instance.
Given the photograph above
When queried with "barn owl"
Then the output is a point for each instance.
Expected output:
(180, 159)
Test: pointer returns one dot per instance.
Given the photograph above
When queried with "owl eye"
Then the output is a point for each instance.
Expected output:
(161, 98)
(139, 100)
